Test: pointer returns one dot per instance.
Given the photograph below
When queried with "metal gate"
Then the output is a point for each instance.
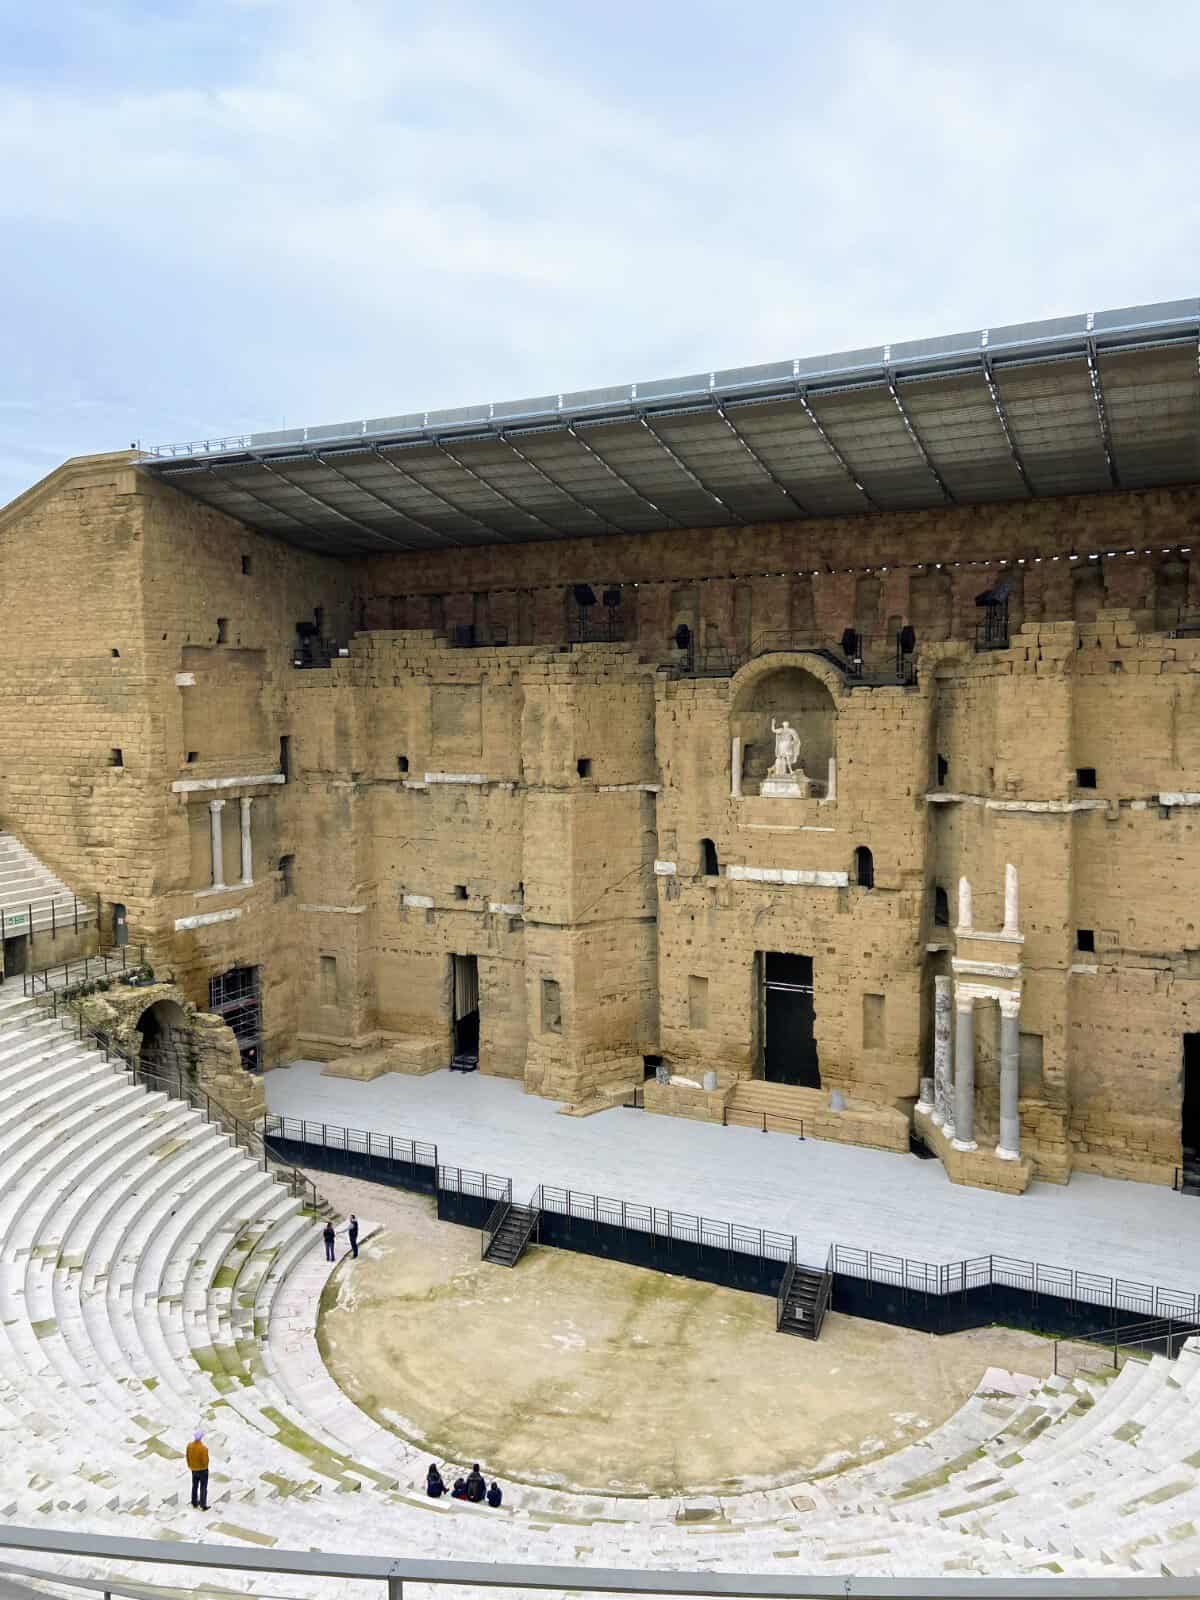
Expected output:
(234, 996)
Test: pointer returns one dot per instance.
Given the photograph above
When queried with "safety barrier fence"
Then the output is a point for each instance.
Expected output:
(937, 1296)
(62, 977)
(277, 1566)
(52, 914)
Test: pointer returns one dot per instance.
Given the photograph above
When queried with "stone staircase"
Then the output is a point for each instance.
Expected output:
(154, 1278)
(776, 1107)
(32, 898)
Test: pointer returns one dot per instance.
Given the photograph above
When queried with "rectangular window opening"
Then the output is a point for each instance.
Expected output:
(874, 1035)
(287, 883)
(285, 755)
(329, 981)
(943, 771)
(402, 763)
(551, 1006)
(222, 630)
(245, 566)
(1085, 939)
(115, 758)
(1085, 777)
(460, 891)
(584, 767)
(192, 755)
(697, 1002)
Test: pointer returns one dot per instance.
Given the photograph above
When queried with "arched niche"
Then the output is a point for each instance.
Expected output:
(165, 1030)
(786, 691)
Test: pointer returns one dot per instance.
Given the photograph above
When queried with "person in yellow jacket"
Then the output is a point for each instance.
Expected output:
(197, 1460)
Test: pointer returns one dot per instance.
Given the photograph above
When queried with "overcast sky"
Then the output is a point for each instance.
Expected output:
(219, 215)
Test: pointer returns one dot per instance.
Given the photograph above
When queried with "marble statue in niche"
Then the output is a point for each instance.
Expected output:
(786, 779)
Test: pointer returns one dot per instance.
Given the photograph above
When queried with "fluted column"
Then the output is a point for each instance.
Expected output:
(247, 856)
(215, 808)
(943, 1058)
(964, 1074)
(1009, 1148)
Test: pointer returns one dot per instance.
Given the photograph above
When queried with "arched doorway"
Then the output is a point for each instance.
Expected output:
(163, 1028)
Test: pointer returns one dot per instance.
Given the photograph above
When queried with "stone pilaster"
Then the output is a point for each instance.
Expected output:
(247, 853)
(943, 1058)
(215, 807)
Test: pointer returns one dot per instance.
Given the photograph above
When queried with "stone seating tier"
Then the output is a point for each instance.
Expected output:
(153, 1279)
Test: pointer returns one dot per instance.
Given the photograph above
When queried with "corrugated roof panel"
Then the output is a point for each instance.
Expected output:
(794, 450)
(1052, 414)
(869, 431)
(957, 423)
(1152, 398)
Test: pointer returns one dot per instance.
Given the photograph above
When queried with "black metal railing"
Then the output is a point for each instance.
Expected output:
(664, 1223)
(244, 1134)
(1156, 1336)
(785, 1289)
(875, 662)
(1035, 1277)
(356, 1141)
(52, 914)
(63, 977)
(493, 1225)
(483, 1185)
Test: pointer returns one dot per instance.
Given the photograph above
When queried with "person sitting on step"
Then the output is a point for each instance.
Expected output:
(494, 1496)
(459, 1491)
(435, 1486)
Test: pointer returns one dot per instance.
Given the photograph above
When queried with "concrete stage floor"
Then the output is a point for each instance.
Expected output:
(819, 1191)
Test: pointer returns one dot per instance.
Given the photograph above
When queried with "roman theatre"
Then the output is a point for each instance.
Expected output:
(684, 862)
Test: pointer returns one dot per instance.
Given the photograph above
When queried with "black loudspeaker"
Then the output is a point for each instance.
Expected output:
(306, 630)
(908, 639)
(850, 642)
(584, 594)
(611, 598)
(683, 636)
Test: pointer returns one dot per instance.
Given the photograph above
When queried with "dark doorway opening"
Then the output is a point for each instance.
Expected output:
(16, 952)
(710, 866)
(234, 997)
(120, 927)
(465, 1004)
(1191, 1110)
(789, 1039)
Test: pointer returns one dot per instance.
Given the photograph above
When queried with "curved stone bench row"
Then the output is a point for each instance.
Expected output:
(152, 1278)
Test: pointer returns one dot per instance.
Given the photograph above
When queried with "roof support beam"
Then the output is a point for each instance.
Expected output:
(623, 481)
(547, 477)
(916, 438)
(684, 468)
(515, 505)
(389, 505)
(1002, 415)
(326, 505)
(424, 488)
(249, 494)
(1101, 413)
(757, 459)
(802, 396)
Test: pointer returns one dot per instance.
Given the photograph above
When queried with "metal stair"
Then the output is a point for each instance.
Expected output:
(803, 1301)
(507, 1232)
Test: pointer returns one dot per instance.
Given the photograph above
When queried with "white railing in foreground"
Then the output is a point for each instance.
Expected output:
(582, 1580)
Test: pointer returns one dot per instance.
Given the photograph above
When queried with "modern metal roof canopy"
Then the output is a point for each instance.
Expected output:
(1068, 406)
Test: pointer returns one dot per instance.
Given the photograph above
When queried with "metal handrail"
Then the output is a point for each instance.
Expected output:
(244, 1135)
(357, 1141)
(785, 1288)
(395, 1572)
(1133, 1337)
(13, 923)
(104, 963)
(493, 1225)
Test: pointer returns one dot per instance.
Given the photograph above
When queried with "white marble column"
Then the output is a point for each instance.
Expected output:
(735, 768)
(964, 1074)
(215, 808)
(943, 1058)
(965, 914)
(1010, 899)
(1009, 1148)
(831, 785)
(247, 856)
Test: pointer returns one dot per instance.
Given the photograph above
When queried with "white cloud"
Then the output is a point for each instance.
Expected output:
(340, 210)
